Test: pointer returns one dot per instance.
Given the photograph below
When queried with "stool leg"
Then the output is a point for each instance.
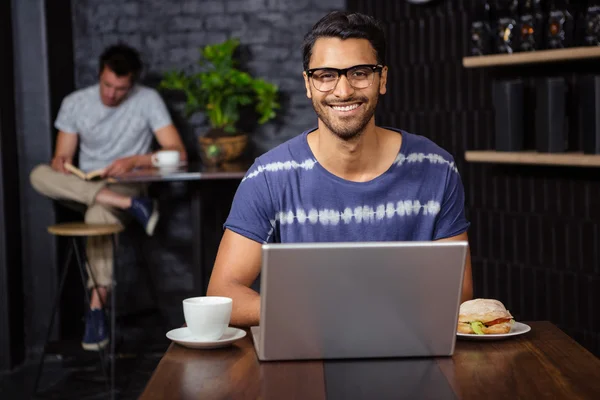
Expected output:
(87, 296)
(54, 307)
(113, 301)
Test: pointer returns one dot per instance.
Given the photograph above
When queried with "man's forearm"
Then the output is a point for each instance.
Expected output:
(467, 294)
(66, 146)
(246, 304)
(143, 160)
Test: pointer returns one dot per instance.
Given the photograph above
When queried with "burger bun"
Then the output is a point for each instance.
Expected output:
(484, 311)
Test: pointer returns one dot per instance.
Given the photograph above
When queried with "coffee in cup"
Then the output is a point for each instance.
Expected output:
(165, 158)
(207, 317)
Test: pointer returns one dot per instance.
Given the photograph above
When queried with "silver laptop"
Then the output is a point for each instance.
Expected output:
(359, 300)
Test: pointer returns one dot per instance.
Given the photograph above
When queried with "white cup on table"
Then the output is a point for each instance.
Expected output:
(207, 317)
(165, 159)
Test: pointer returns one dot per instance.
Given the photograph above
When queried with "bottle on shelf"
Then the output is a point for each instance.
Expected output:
(591, 24)
(560, 25)
(505, 38)
(531, 26)
(481, 31)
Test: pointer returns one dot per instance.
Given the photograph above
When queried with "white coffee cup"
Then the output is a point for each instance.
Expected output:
(165, 158)
(207, 317)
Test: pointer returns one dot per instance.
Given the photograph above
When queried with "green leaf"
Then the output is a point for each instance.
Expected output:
(477, 327)
(220, 89)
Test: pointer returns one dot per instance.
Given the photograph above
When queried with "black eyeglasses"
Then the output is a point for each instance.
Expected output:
(359, 76)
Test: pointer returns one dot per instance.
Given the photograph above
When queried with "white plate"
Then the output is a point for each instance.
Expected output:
(518, 328)
(183, 337)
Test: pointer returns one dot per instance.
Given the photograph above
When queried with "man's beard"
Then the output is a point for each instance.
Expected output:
(354, 127)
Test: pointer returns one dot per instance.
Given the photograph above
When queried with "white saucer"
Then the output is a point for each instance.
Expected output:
(179, 164)
(168, 170)
(183, 337)
(173, 167)
(518, 328)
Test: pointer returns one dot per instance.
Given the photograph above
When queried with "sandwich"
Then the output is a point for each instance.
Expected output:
(484, 317)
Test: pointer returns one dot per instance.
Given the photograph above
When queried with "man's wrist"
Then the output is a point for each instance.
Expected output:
(61, 158)
(140, 160)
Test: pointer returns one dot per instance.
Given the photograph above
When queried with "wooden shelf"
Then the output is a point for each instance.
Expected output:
(531, 157)
(532, 57)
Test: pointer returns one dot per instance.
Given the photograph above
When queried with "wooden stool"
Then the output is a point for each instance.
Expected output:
(77, 230)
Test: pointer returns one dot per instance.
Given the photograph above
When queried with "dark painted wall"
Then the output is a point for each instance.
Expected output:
(34, 145)
(535, 230)
(11, 316)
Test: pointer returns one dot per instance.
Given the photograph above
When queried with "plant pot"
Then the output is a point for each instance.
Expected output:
(217, 150)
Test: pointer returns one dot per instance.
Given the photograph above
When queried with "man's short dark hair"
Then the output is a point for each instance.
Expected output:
(346, 25)
(122, 60)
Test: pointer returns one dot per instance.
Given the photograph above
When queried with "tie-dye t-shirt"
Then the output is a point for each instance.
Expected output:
(287, 196)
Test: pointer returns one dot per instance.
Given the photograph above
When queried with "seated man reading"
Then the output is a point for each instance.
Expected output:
(113, 122)
(348, 179)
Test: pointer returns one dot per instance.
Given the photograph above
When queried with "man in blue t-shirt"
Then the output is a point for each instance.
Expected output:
(348, 179)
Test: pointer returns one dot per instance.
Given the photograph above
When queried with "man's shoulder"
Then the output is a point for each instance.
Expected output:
(82, 95)
(418, 151)
(293, 149)
(291, 155)
(419, 144)
(145, 92)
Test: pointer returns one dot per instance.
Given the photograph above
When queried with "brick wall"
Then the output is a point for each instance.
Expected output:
(169, 33)
(535, 230)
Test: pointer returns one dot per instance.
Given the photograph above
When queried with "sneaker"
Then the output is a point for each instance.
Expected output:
(95, 337)
(146, 212)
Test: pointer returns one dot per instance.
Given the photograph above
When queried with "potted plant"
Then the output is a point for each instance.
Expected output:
(221, 91)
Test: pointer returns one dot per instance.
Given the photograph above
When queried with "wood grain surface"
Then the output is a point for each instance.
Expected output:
(544, 363)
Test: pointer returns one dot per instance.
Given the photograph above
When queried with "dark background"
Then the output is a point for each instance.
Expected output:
(534, 233)
(11, 289)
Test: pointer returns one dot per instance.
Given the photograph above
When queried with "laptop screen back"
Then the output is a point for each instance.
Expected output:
(357, 300)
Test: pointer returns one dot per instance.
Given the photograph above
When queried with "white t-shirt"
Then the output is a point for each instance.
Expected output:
(109, 133)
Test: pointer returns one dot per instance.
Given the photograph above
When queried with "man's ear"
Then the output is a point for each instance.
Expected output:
(307, 85)
(383, 81)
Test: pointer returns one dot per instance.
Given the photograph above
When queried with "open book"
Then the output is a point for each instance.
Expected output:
(95, 175)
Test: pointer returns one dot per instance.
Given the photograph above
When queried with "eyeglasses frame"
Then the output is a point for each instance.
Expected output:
(343, 71)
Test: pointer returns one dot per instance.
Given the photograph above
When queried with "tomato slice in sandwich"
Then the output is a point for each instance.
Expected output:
(497, 321)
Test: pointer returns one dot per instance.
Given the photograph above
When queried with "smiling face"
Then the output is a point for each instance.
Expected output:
(345, 111)
(113, 88)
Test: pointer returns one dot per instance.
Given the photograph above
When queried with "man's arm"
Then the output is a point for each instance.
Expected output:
(168, 138)
(66, 146)
(236, 267)
(467, 289)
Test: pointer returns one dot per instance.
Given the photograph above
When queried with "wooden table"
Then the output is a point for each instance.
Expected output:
(544, 363)
(192, 172)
